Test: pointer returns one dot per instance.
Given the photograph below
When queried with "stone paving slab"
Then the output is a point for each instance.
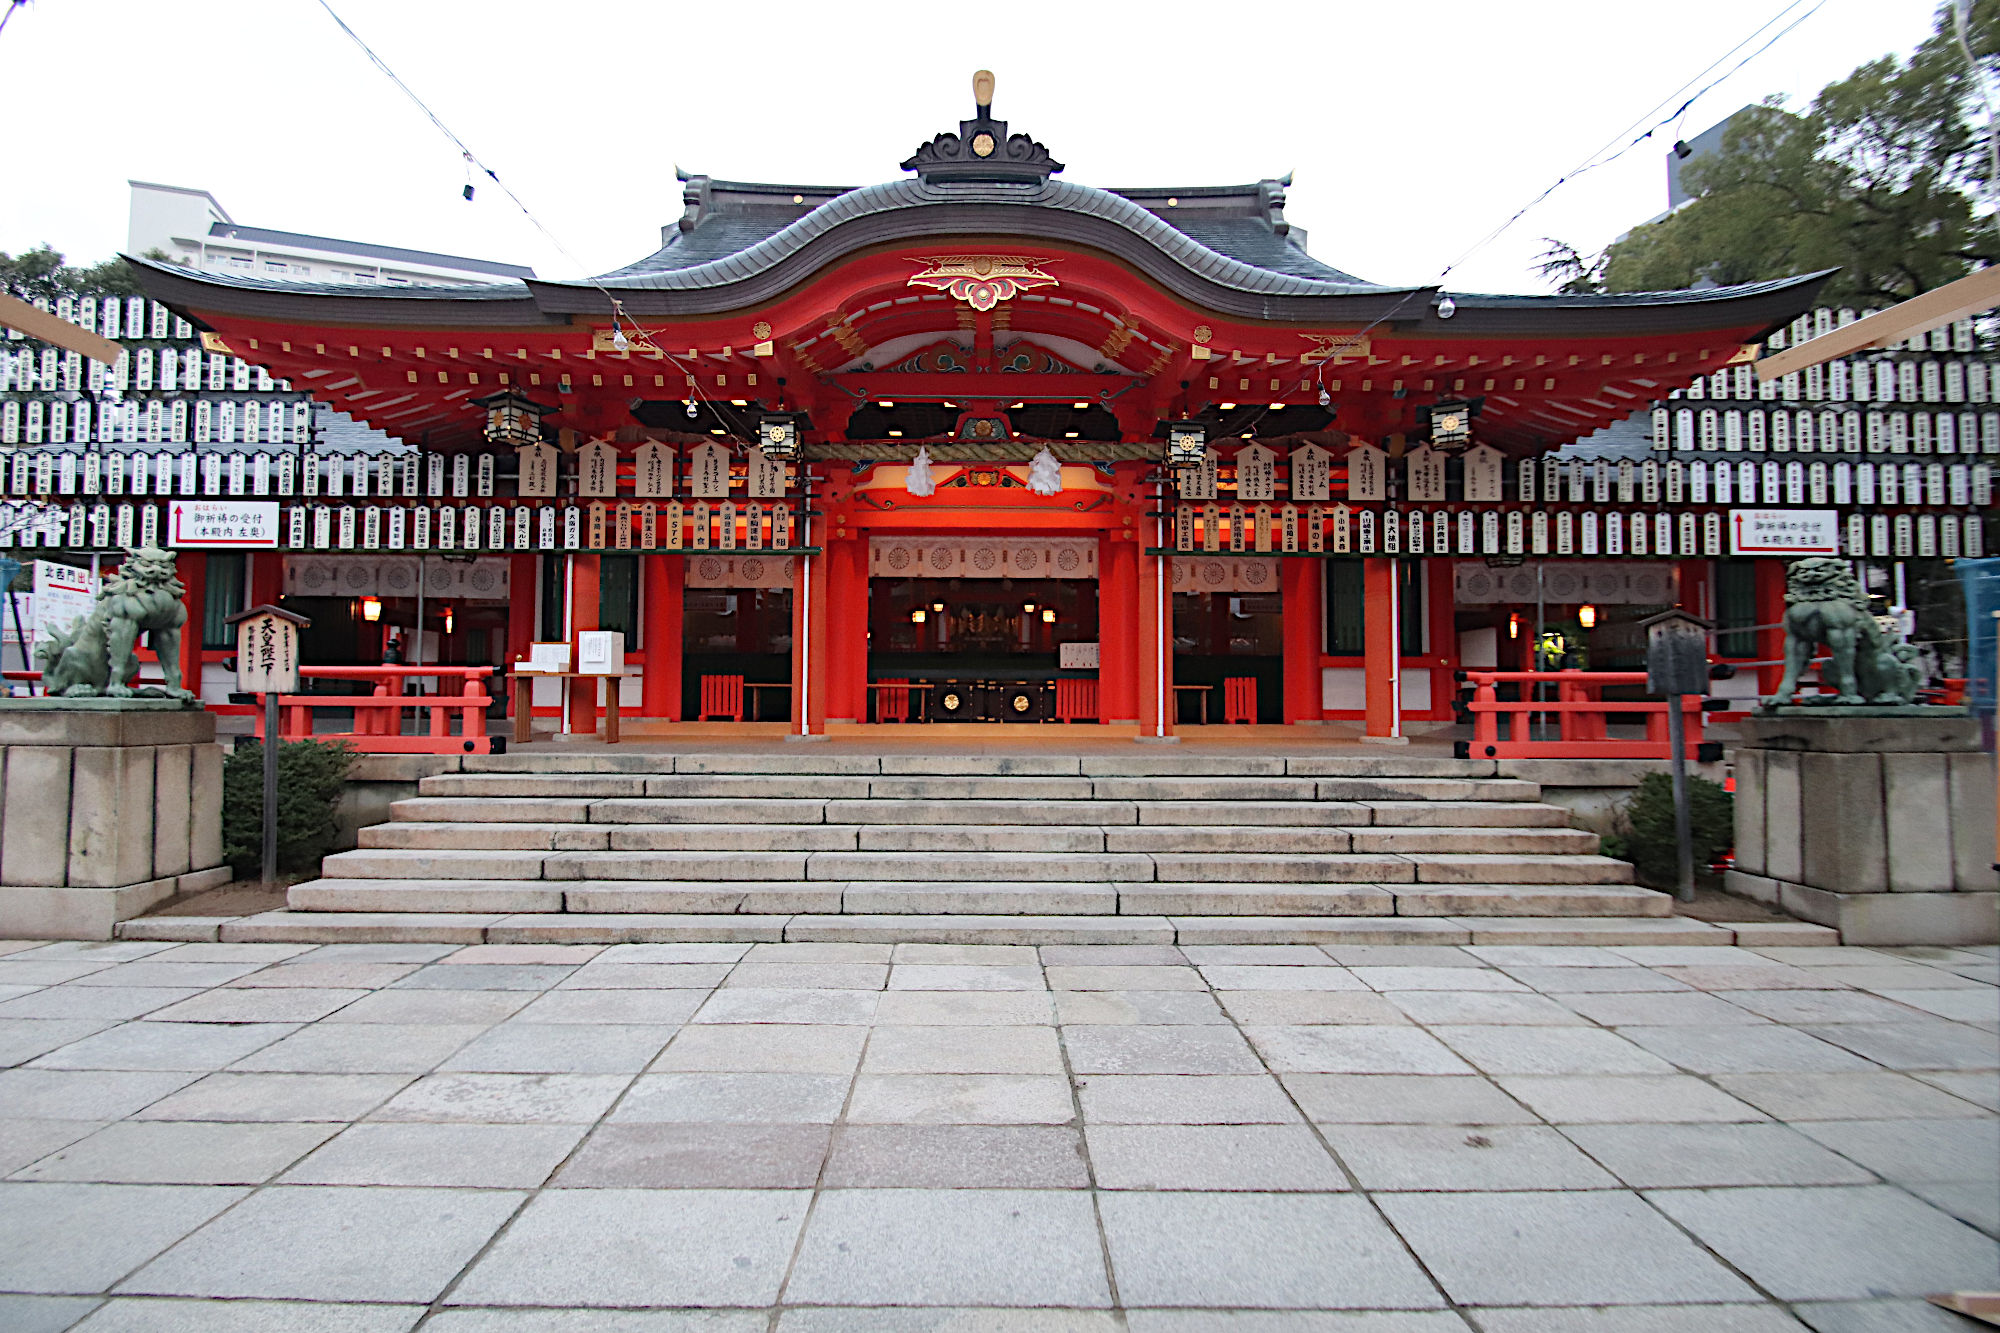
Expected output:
(1072, 1125)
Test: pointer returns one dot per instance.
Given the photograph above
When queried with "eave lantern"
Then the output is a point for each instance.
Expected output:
(512, 419)
(1187, 444)
(778, 436)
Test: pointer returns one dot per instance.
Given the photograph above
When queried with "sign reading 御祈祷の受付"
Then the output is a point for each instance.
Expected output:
(1794, 532)
(229, 525)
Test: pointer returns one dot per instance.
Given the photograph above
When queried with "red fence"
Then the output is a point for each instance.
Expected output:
(1580, 712)
(379, 714)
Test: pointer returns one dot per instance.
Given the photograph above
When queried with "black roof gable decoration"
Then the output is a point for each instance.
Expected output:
(982, 150)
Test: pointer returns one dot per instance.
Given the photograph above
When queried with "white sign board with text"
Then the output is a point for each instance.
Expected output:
(223, 525)
(1789, 532)
(267, 655)
(63, 596)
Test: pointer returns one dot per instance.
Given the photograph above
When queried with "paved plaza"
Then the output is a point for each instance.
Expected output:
(368, 1138)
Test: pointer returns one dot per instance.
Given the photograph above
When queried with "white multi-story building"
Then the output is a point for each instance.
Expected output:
(191, 228)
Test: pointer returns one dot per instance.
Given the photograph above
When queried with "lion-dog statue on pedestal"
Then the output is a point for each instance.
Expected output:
(96, 656)
(1824, 603)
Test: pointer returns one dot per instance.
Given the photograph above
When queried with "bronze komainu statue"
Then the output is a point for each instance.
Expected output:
(96, 655)
(1824, 603)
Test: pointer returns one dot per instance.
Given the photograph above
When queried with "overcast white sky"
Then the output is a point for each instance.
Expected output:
(1413, 128)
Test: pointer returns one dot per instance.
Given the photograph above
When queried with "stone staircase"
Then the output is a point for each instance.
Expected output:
(1004, 839)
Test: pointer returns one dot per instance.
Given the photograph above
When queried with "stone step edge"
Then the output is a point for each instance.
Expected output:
(496, 928)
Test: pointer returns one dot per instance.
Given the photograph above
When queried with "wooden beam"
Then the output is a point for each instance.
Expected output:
(17, 314)
(1970, 295)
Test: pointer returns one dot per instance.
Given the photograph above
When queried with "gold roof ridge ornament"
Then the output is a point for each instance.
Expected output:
(983, 281)
(983, 150)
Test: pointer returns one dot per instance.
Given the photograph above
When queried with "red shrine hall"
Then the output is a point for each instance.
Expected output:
(981, 445)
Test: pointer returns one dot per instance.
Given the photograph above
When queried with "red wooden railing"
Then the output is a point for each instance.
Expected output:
(1581, 714)
(378, 715)
(1076, 699)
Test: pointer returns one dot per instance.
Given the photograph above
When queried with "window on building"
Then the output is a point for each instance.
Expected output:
(239, 261)
(273, 266)
(618, 596)
(365, 278)
(1735, 608)
(1346, 617)
(223, 598)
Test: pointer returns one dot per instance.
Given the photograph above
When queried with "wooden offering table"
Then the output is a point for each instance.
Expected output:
(524, 699)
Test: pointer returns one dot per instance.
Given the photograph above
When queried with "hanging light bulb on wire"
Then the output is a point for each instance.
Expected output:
(1446, 307)
(693, 411)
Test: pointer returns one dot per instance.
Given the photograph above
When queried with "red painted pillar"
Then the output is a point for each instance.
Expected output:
(1770, 611)
(267, 577)
(1156, 647)
(522, 599)
(582, 616)
(1441, 607)
(1118, 628)
(847, 626)
(1380, 662)
(810, 658)
(661, 622)
(1299, 582)
(194, 577)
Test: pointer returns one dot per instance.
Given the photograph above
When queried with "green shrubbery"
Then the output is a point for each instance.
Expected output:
(1646, 836)
(311, 776)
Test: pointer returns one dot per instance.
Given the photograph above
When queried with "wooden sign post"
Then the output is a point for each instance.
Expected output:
(267, 663)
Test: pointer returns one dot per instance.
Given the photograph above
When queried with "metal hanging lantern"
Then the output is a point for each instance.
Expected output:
(512, 419)
(1451, 425)
(1187, 444)
(778, 436)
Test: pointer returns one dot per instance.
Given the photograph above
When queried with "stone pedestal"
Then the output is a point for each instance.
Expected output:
(107, 807)
(1880, 824)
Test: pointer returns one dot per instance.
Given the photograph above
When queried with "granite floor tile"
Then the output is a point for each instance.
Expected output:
(106, 1004)
(698, 1156)
(963, 1050)
(1726, 977)
(455, 1155)
(84, 1094)
(1573, 1248)
(1294, 1321)
(1974, 1202)
(1116, 955)
(1400, 955)
(1834, 1244)
(1461, 1157)
(331, 1243)
(956, 1157)
(561, 1048)
(1267, 1008)
(76, 1239)
(1295, 955)
(712, 952)
(22, 1039)
(1916, 1150)
(763, 1048)
(943, 1319)
(569, 954)
(187, 1152)
(186, 976)
(442, 975)
(808, 976)
(1354, 1050)
(1101, 978)
(800, 1004)
(332, 975)
(1536, 1050)
(1435, 1007)
(1114, 1007)
(268, 1097)
(1825, 1006)
(1547, 955)
(1908, 1315)
(1184, 1099)
(212, 952)
(1743, 1050)
(1258, 1251)
(1594, 980)
(1859, 1095)
(820, 951)
(46, 1314)
(1659, 1009)
(360, 1048)
(1980, 1006)
(1163, 1049)
(163, 1045)
(1981, 1088)
(1627, 1098)
(734, 1098)
(612, 1006)
(951, 1247)
(954, 976)
(100, 951)
(506, 1099)
(1279, 977)
(378, 953)
(1265, 1158)
(911, 1008)
(155, 1314)
(1640, 1319)
(987, 955)
(303, 1005)
(960, 1099)
(23, 1142)
(641, 1248)
(1437, 978)
(430, 1006)
(608, 974)
(1676, 1156)
(1405, 1099)
(16, 970)
(1922, 1044)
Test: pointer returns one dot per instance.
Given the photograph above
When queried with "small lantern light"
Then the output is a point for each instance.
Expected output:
(1586, 616)
(1028, 608)
(1514, 625)
(511, 419)
(447, 620)
(371, 608)
(1048, 615)
(938, 607)
(1451, 425)
(918, 616)
(1187, 444)
(778, 436)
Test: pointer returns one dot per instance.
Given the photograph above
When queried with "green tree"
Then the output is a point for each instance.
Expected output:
(1881, 177)
(42, 272)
